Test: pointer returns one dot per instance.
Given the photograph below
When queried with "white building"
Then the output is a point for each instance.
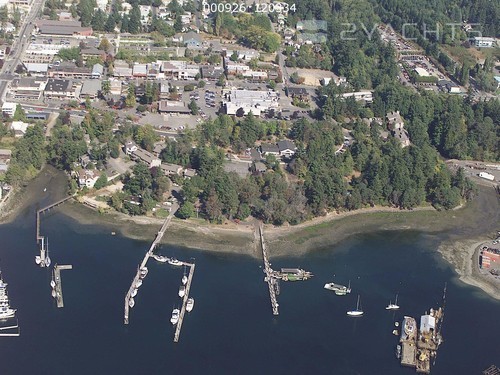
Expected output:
(9, 108)
(484, 42)
(249, 101)
(367, 96)
(19, 128)
(87, 178)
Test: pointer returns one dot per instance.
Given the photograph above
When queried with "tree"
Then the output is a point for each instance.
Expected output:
(221, 81)
(193, 107)
(234, 56)
(178, 26)
(186, 211)
(134, 22)
(105, 45)
(19, 114)
(99, 20)
(201, 84)
(101, 182)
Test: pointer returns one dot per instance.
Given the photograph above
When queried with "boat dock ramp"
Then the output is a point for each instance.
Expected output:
(184, 301)
(58, 282)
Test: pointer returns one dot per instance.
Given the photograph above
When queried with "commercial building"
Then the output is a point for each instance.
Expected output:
(245, 101)
(484, 42)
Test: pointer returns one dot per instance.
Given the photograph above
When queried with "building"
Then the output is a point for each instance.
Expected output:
(87, 178)
(97, 71)
(242, 102)
(140, 70)
(448, 86)
(259, 167)
(286, 148)
(365, 96)
(484, 42)
(62, 89)
(130, 148)
(269, 149)
(37, 69)
(5, 156)
(70, 70)
(62, 28)
(19, 128)
(173, 106)
(92, 52)
(90, 89)
(233, 68)
(9, 108)
(41, 53)
(171, 169)
(180, 70)
(192, 40)
(27, 88)
(490, 258)
(298, 92)
(211, 72)
(427, 324)
(395, 124)
(146, 157)
(421, 72)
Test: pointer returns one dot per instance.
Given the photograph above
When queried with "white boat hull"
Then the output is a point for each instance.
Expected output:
(190, 305)
(355, 313)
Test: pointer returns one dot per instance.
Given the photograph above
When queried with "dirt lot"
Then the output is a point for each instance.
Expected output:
(312, 76)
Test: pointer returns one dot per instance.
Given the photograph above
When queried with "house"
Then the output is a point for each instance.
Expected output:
(233, 68)
(87, 178)
(394, 121)
(130, 148)
(121, 69)
(188, 173)
(171, 169)
(158, 148)
(173, 106)
(298, 92)
(140, 70)
(286, 148)
(192, 40)
(3, 51)
(9, 108)
(84, 160)
(5, 156)
(259, 167)
(7, 27)
(19, 128)
(146, 157)
(90, 89)
(62, 89)
(269, 149)
(115, 87)
(484, 42)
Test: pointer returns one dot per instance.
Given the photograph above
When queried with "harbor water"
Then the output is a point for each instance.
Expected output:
(231, 329)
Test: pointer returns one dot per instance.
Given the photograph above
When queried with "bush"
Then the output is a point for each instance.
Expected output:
(189, 87)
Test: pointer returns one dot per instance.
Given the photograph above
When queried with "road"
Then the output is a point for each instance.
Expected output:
(18, 47)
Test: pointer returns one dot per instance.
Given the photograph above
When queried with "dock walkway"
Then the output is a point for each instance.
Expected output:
(58, 281)
(148, 254)
(184, 301)
(269, 273)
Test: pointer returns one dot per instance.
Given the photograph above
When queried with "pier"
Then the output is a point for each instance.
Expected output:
(148, 255)
(43, 259)
(10, 332)
(184, 301)
(58, 281)
(271, 281)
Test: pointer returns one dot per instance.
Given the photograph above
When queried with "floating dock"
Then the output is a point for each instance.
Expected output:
(148, 255)
(58, 281)
(12, 333)
(184, 301)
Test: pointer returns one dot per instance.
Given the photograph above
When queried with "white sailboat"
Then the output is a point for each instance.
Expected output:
(393, 306)
(190, 304)
(357, 312)
(131, 302)
(184, 277)
(182, 291)
(47, 258)
(138, 283)
(54, 293)
(52, 283)
(174, 262)
(134, 292)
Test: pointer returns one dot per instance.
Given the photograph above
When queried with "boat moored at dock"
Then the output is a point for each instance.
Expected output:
(174, 262)
(190, 304)
(182, 291)
(144, 272)
(175, 316)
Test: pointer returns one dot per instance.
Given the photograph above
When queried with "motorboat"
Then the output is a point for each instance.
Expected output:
(174, 262)
(182, 291)
(131, 302)
(138, 283)
(190, 304)
(184, 277)
(340, 290)
(144, 272)
(5, 310)
(38, 259)
(398, 351)
(134, 292)
(357, 312)
(175, 316)
(54, 293)
(393, 306)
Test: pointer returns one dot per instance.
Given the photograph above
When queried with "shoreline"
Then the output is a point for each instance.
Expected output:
(464, 227)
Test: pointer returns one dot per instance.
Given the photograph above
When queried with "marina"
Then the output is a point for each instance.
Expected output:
(56, 283)
(7, 313)
(184, 301)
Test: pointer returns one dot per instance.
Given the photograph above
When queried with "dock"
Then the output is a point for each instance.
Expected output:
(11, 333)
(148, 255)
(271, 281)
(184, 301)
(58, 281)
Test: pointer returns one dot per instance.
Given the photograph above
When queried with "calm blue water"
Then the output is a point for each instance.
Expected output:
(232, 329)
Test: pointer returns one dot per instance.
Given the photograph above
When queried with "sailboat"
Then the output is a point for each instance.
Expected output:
(47, 258)
(357, 312)
(393, 306)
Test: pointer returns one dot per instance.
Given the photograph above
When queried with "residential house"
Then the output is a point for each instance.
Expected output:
(146, 157)
(5, 156)
(146, 13)
(87, 178)
(121, 69)
(19, 128)
(259, 167)
(192, 40)
(115, 87)
(3, 51)
(286, 148)
(189, 172)
(171, 169)
(62, 89)
(130, 147)
(97, 71)
(84, 160)
(395, 124)
(269, 149)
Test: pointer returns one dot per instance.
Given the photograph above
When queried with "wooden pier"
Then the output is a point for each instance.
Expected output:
(271, 281)
(184, 301)
(58, 281)
(148, 254)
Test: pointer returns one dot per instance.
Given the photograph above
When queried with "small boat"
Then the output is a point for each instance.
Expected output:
(38, 260)
(184, 277)
(138, 283)
(131, 302)
(395, 332)
(396, 324)
(393, 306)
(175, 316)
(340, 290)
(144, 272)
(357, 312)
(182, 291)
(113, 233)
(174, 262)
(54, 293)
(52, 283)
(190, 304)
(134, 292)
(398, 351)
(45, 189)
(47, 261)
(161, 259)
